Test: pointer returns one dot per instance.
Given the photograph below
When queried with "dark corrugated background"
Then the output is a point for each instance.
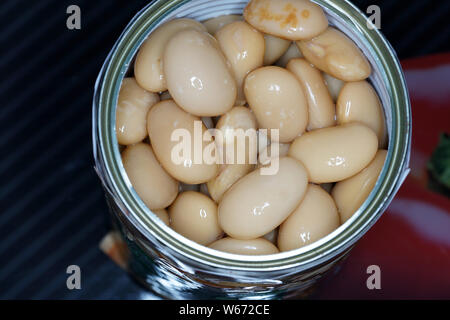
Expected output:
(52, 210)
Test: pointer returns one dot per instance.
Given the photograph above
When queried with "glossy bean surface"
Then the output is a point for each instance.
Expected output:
(288, 19)
(131, 113)
(194, 216)
(148, 68)
(336, 153)
(153, 184)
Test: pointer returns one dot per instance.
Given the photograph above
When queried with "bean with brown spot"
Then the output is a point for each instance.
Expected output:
(148, 68)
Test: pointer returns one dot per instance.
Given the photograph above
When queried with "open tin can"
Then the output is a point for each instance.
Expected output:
(174, 267)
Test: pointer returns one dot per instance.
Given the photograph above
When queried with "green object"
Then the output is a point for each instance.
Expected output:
(439, 164)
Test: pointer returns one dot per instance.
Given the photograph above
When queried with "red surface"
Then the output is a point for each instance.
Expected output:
(411, 241)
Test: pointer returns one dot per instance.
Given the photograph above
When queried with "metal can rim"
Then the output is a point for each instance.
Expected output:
(107, 155)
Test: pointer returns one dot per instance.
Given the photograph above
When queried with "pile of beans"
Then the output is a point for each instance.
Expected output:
(279, 66)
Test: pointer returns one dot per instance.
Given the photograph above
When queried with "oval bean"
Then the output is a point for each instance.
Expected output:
(257, 204)
(358, 102)
(320, 105)
(154, 186)
(243, 46)
(194, 216)
(245, 247)
(350, 194)
(163, 119)
(314, 218)
(198, 76)
(278, 101)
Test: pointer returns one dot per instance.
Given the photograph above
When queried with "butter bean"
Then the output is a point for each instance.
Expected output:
(334, 85)
(278, 101)
(131, 115)
(188, 187)
(153, 185)
(334, 53)
(327, 187)
(204, 190)
(292, 53)
(288, 19)
(272, 236)
(263, 141)
(257, 204)
(351, 193)
(229, 174)
(335, 153)
(314, 218)
(320, 105)
(198, 76)
(245, 247)
(194, 216)
(163, 215)
(163, 119)
(275, 48)
(358, 102)
(243, 46)
(208, 122)
(215, 24)
(148, 68)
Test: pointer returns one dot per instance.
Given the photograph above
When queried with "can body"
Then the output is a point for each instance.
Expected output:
(173, 267)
